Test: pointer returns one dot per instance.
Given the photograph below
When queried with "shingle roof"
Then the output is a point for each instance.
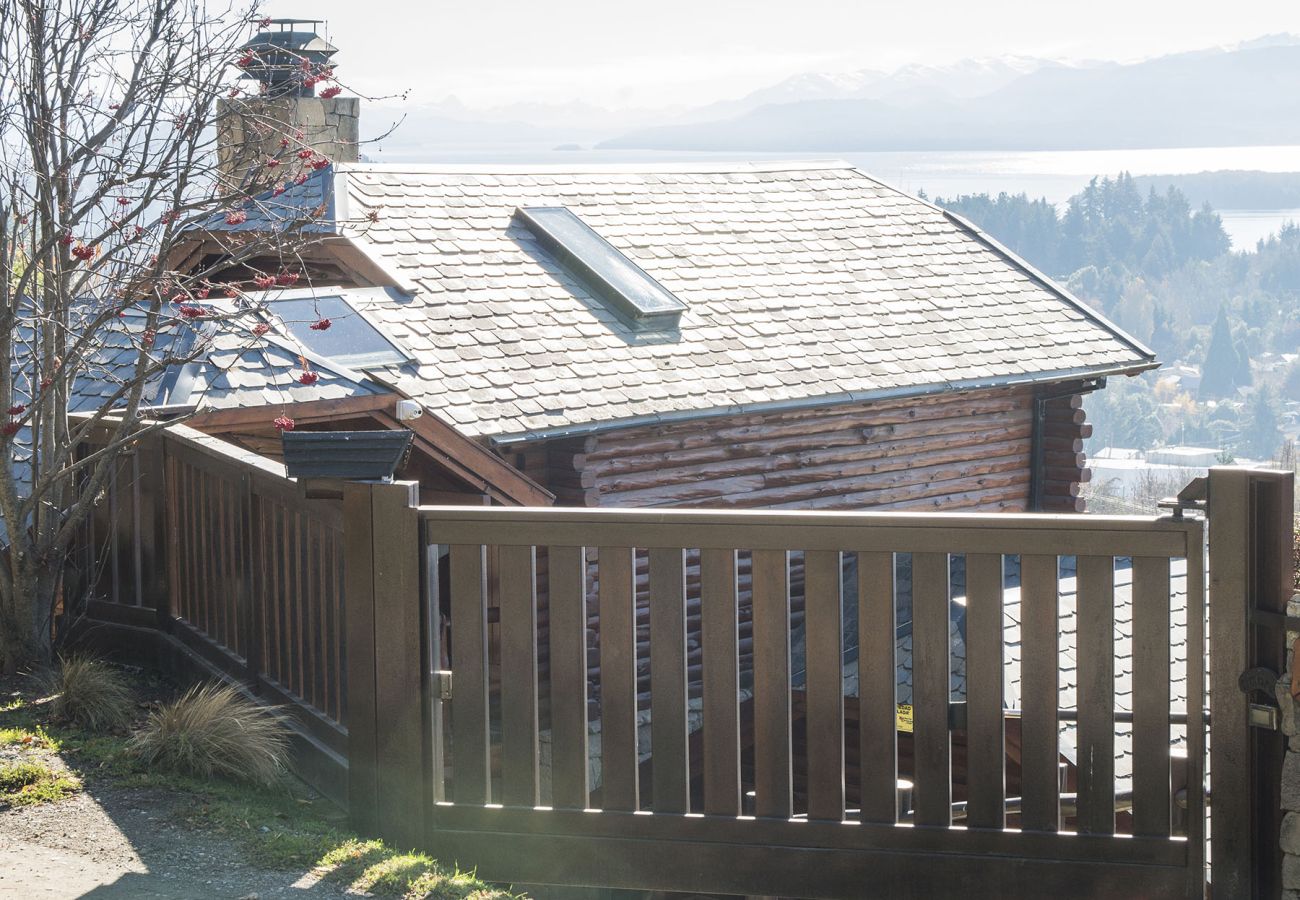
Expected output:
(237, 369)
(803, 283)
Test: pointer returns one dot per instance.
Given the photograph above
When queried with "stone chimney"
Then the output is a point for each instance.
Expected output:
(286, 61)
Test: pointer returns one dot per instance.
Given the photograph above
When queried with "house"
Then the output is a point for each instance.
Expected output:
(823, 341)
(779, 335)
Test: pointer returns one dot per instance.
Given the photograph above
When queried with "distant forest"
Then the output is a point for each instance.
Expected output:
(1164, 271)
(1231, 189)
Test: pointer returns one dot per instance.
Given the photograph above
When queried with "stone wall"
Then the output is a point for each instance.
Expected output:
(249, 131)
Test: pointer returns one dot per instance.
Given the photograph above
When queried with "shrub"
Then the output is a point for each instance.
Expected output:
(91, 694)
(214, 730)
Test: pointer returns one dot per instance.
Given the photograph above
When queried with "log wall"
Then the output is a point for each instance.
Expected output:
(968, 451)
(1066, 469)
(963, 451)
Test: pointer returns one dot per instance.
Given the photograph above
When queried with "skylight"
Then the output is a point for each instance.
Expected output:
(618, 281)
(352, 340)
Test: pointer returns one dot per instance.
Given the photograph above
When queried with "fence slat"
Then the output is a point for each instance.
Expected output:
(668, 735)
(618, 738)
(471, 742)
(930, 689)
(985, 731)
(280, 515)
(1096, 701)
(517, 566)
(721, 682)
(567, 600)
(1040, 663)
(1151, 696)
(877, 689)
(824, 642)
(773, 783)
(1196, 755)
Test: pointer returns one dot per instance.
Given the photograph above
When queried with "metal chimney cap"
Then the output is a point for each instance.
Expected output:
(279, 57)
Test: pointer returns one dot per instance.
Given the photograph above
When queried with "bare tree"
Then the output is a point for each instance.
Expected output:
(108, 169)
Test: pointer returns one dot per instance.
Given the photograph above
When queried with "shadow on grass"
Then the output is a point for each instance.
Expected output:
(199, 837)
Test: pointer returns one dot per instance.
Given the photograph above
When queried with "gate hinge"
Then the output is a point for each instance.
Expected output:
(443, 683)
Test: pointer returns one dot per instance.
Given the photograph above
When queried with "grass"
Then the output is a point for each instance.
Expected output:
(29, 782)
(91, 694)
(214, 730)
(283, 826)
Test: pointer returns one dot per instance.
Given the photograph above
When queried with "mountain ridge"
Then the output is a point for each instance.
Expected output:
(1242, 96)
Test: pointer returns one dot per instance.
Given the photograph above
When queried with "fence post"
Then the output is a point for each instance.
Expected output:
(387, 781)
(1250, 518)
(150, 526)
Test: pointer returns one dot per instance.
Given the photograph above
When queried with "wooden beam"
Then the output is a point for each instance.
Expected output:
(462, 456)
(471, 461)
(304, 411)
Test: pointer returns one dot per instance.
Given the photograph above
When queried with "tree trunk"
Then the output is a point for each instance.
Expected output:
(24, 625)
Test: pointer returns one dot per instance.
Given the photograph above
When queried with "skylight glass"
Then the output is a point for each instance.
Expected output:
(351, 340)
(621, 283)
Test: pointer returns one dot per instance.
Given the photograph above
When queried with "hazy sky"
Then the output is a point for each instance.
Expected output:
(686, 52)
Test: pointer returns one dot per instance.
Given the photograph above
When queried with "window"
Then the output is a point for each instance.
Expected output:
(351, 340)
(614, 278)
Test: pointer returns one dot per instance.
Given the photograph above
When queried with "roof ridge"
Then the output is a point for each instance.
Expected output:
(701, 167)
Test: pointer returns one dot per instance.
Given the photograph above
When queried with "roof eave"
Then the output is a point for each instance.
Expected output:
(825, 400)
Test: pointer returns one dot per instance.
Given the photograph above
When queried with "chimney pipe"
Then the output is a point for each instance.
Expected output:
(286, 60)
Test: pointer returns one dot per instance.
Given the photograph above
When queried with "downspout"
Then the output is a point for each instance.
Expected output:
(1038, 438)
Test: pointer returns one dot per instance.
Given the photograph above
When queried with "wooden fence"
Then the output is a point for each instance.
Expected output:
(406, 645)
(514, 794)
(220, 551)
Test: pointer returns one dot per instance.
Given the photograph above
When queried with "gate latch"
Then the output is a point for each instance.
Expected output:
(1195, 496)
(1264, 715)
(443, 683)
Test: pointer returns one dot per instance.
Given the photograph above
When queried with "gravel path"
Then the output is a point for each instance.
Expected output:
(114, 842)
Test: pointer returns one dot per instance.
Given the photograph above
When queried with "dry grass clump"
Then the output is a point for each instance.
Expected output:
(91, 694)
(214, 730)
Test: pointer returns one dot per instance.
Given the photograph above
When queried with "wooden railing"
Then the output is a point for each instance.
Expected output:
(218, 548)
(683, 802)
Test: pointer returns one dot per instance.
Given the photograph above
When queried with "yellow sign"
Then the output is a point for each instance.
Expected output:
(904, 717)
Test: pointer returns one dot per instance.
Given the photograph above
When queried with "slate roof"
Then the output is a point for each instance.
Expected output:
(805, 283)
(238, 369)
(293, 207)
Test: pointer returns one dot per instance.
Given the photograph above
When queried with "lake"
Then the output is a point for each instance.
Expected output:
(1054, 174)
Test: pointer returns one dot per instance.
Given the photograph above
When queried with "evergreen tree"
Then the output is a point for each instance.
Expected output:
(1163, 339)
(1241, 376)
(1261, 434)
(1291, 383)
(1208, 239)
(1220, 368)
